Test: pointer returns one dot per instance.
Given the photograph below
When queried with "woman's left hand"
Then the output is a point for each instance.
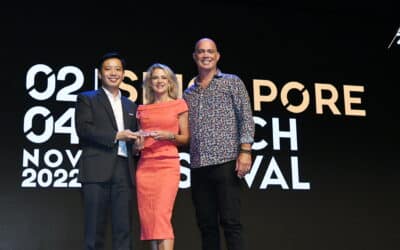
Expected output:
(161, 135)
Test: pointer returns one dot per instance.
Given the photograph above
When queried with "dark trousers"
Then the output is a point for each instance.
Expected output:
(216, 198)
(99, 199)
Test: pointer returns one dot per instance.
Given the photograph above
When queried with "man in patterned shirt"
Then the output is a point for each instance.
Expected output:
(221, 133)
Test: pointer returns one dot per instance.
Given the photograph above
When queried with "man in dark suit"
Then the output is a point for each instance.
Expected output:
(105, 121)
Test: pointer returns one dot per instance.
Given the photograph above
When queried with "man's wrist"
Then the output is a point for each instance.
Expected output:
(116, 137)
(245, 150)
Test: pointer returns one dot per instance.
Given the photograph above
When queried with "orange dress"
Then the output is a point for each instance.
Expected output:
(158, 171)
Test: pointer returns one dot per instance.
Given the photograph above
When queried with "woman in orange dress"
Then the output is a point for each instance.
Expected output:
(163, 121)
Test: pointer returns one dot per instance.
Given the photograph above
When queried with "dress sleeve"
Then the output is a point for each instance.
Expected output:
(182, 106)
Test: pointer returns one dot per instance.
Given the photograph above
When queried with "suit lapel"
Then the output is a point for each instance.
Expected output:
(107, 105)
(125, 110)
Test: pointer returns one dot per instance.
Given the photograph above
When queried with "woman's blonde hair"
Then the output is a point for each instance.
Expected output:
(172, 83)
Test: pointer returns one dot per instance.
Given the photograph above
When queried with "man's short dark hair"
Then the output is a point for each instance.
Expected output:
(109, 55)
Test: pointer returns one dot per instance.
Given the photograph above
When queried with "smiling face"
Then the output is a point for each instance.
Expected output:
(206, 55)
(111, 74)
(159, 82)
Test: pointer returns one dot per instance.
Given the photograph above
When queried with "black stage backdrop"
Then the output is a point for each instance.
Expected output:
(321, 77)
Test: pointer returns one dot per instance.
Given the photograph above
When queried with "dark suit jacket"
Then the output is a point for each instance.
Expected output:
(96, 127)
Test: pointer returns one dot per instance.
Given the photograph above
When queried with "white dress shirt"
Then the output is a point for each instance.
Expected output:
(116, 105)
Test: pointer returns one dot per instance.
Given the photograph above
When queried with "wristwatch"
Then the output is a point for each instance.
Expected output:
(246, 151)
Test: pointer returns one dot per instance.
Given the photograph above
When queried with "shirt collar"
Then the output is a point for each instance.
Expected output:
(217, 75)
(110, 96)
